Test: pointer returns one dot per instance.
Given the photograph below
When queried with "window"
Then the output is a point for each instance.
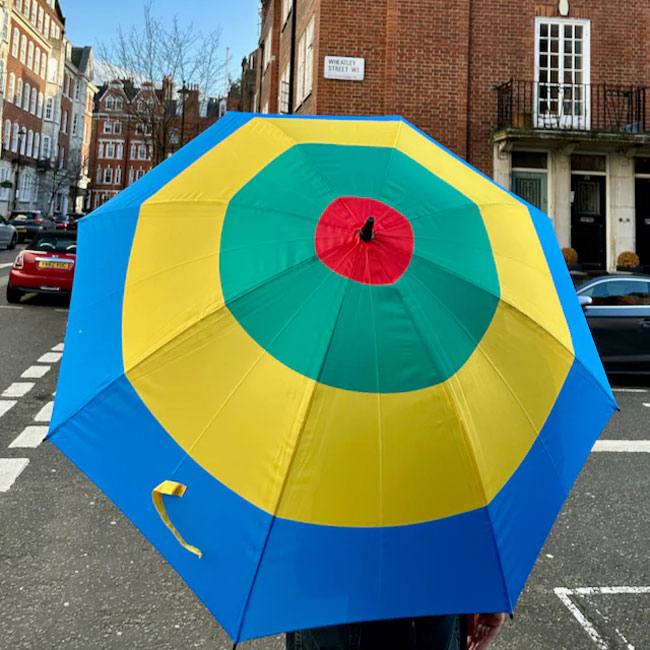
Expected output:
(30, 143)
(110, 150)
(110, 102)
(32, 18)
(11, 87)
(39, 106)
(14, 43)
(19, 93)
(46, 147)
(267, 51)
(14, 138)
(99, 173)
(37, 61)
(120, 151)
(142, 152)
(6, 142)
(37, 144)
(132, 152)
(139, 174)
(286, 10)
(118, 104)
(108, 127)
(75, 124)
(23, 48)
(49, 108)
(131, 176)
(4, 191)
(30, 55)
(562, 72)
(305, 63)
(5, 24)
(117, 127)
(77, 90)
(26, 97)
(43, 64)
(51, 70)
(27, 6)
(108, 175)
(147, 129)
(618, 293)
(46, 26)
(64, 122)
(283, 94)
(39, 23)
(32, 104)
(118, 175)
(23, 143)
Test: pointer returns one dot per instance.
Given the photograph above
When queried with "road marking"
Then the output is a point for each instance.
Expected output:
(10, 469)
(634, 446)
(5, 405)
(646, 404)
(35, 372)
(6, 265)
(58, 347)
(564, 594)
(32, 436)
(45, 414)
(64, 310)
(50, 357)
(630, 390)
(10, 307)
(18, 389)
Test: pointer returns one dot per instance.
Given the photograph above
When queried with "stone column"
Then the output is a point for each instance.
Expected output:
(620, 206)
(559, 206)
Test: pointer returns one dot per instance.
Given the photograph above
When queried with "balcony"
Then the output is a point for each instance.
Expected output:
(572, 111)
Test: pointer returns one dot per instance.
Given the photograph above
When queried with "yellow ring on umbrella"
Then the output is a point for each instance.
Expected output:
(239, 412)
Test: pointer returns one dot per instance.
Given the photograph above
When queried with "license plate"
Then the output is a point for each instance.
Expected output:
(54, 265)
(45, 287)
(21, 229)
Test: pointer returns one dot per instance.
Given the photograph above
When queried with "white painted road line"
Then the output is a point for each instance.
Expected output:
(647, 404)
(633, 446)
(6, 265)
(35, 372)
(565, 594)
(10, 469)
(630, 390)
(5, 405)
(31, 437)
(58, 347)
(50, 357)
(18, 389)
(45, 414)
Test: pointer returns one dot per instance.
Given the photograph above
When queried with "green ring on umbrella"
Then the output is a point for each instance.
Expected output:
(413, 333)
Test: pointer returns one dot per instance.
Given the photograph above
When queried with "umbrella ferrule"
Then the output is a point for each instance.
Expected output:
(366, 233)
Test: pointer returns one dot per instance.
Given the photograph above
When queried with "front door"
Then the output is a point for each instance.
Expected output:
(588, 222)
(643, 219)
(531, 186)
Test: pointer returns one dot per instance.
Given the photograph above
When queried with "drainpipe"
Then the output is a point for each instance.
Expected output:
(469, 78)
(292, 66)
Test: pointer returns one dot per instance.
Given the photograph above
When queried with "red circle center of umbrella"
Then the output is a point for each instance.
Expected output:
(341, 247)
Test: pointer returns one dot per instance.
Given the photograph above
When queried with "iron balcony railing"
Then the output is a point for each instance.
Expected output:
(574, 107)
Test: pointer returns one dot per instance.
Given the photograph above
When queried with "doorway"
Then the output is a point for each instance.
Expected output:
(642, 195)
(588, 219)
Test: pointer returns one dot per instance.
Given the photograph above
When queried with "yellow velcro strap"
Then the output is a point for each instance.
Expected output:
(171, 488)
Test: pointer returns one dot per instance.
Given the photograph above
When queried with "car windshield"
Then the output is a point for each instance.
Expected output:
(60, 219)
(612, 293)
(54, 244)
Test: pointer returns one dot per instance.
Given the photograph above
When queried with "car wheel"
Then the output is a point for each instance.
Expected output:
(12, 243)
(13, 295)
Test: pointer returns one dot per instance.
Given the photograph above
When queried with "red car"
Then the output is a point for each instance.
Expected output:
(45, 266)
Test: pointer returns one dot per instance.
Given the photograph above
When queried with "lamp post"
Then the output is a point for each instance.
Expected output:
(183, 92)
(21, 136)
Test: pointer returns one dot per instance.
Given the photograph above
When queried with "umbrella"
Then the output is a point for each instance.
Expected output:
(331, 371)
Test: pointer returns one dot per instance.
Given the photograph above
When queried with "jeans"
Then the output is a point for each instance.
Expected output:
(426, 633)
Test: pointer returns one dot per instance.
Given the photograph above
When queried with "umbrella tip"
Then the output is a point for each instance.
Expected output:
(366, 233)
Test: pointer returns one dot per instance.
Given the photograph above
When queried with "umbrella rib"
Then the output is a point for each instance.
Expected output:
(302, 425)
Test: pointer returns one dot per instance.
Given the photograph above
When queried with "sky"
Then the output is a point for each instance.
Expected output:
(237, 18)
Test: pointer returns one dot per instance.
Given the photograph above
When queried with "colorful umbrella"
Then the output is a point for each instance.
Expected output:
(331, 371)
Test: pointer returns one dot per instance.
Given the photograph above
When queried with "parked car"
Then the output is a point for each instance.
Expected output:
(8, 234)
(617, 308)
(28, 223)
(62, 222)
(45, 266)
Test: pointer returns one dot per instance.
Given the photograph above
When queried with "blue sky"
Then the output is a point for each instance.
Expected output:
(237, 19)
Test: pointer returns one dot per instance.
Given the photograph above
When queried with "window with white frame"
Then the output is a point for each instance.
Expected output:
(283, 92)
(7, 135)
(118, 175)
(99, 173)
(142, 152)
(43, 64)
(305, 63)
(110, 102)
(23, 48)
(131, 175)
(286, 10)
(32, 103)
(32, 18)
(139, 174)
(15, 42)
(39, 106)
(37, 144)
(110, 150)
(27, 6)
(46, 147)
(18, 100)
(26, 97)
(117, 127)
(11, 87)
(108, 175)
(51, 70)
(30, 143)
(23, 141)
(133, 151)
(5, 24)
(118, 103)
(120, 151)
(46, 25)
(4, 191)
(39, 22)
(49, 108)
(108, 126)
(30, 55)
(267, 51)
(37, 61)
(14, 138)
(562, 72)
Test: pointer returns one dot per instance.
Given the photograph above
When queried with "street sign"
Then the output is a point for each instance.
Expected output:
(6, 184)
(345, 68)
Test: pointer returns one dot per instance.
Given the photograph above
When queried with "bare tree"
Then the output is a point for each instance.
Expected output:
(63, 175)
(159, 56)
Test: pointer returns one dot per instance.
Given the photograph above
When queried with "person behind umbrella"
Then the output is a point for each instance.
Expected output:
(424, 633)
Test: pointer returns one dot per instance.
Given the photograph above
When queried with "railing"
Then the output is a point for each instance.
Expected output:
(576, 107)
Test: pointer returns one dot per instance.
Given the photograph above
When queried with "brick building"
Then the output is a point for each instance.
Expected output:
(39, 81)
(551, 98)
(136, 128)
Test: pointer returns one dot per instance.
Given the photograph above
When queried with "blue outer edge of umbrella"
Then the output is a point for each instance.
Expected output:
(441, 569)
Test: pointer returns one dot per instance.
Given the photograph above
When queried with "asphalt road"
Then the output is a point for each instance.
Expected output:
(76, 575)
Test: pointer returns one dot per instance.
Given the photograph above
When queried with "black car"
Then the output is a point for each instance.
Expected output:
(617, 308)
(28, 224)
